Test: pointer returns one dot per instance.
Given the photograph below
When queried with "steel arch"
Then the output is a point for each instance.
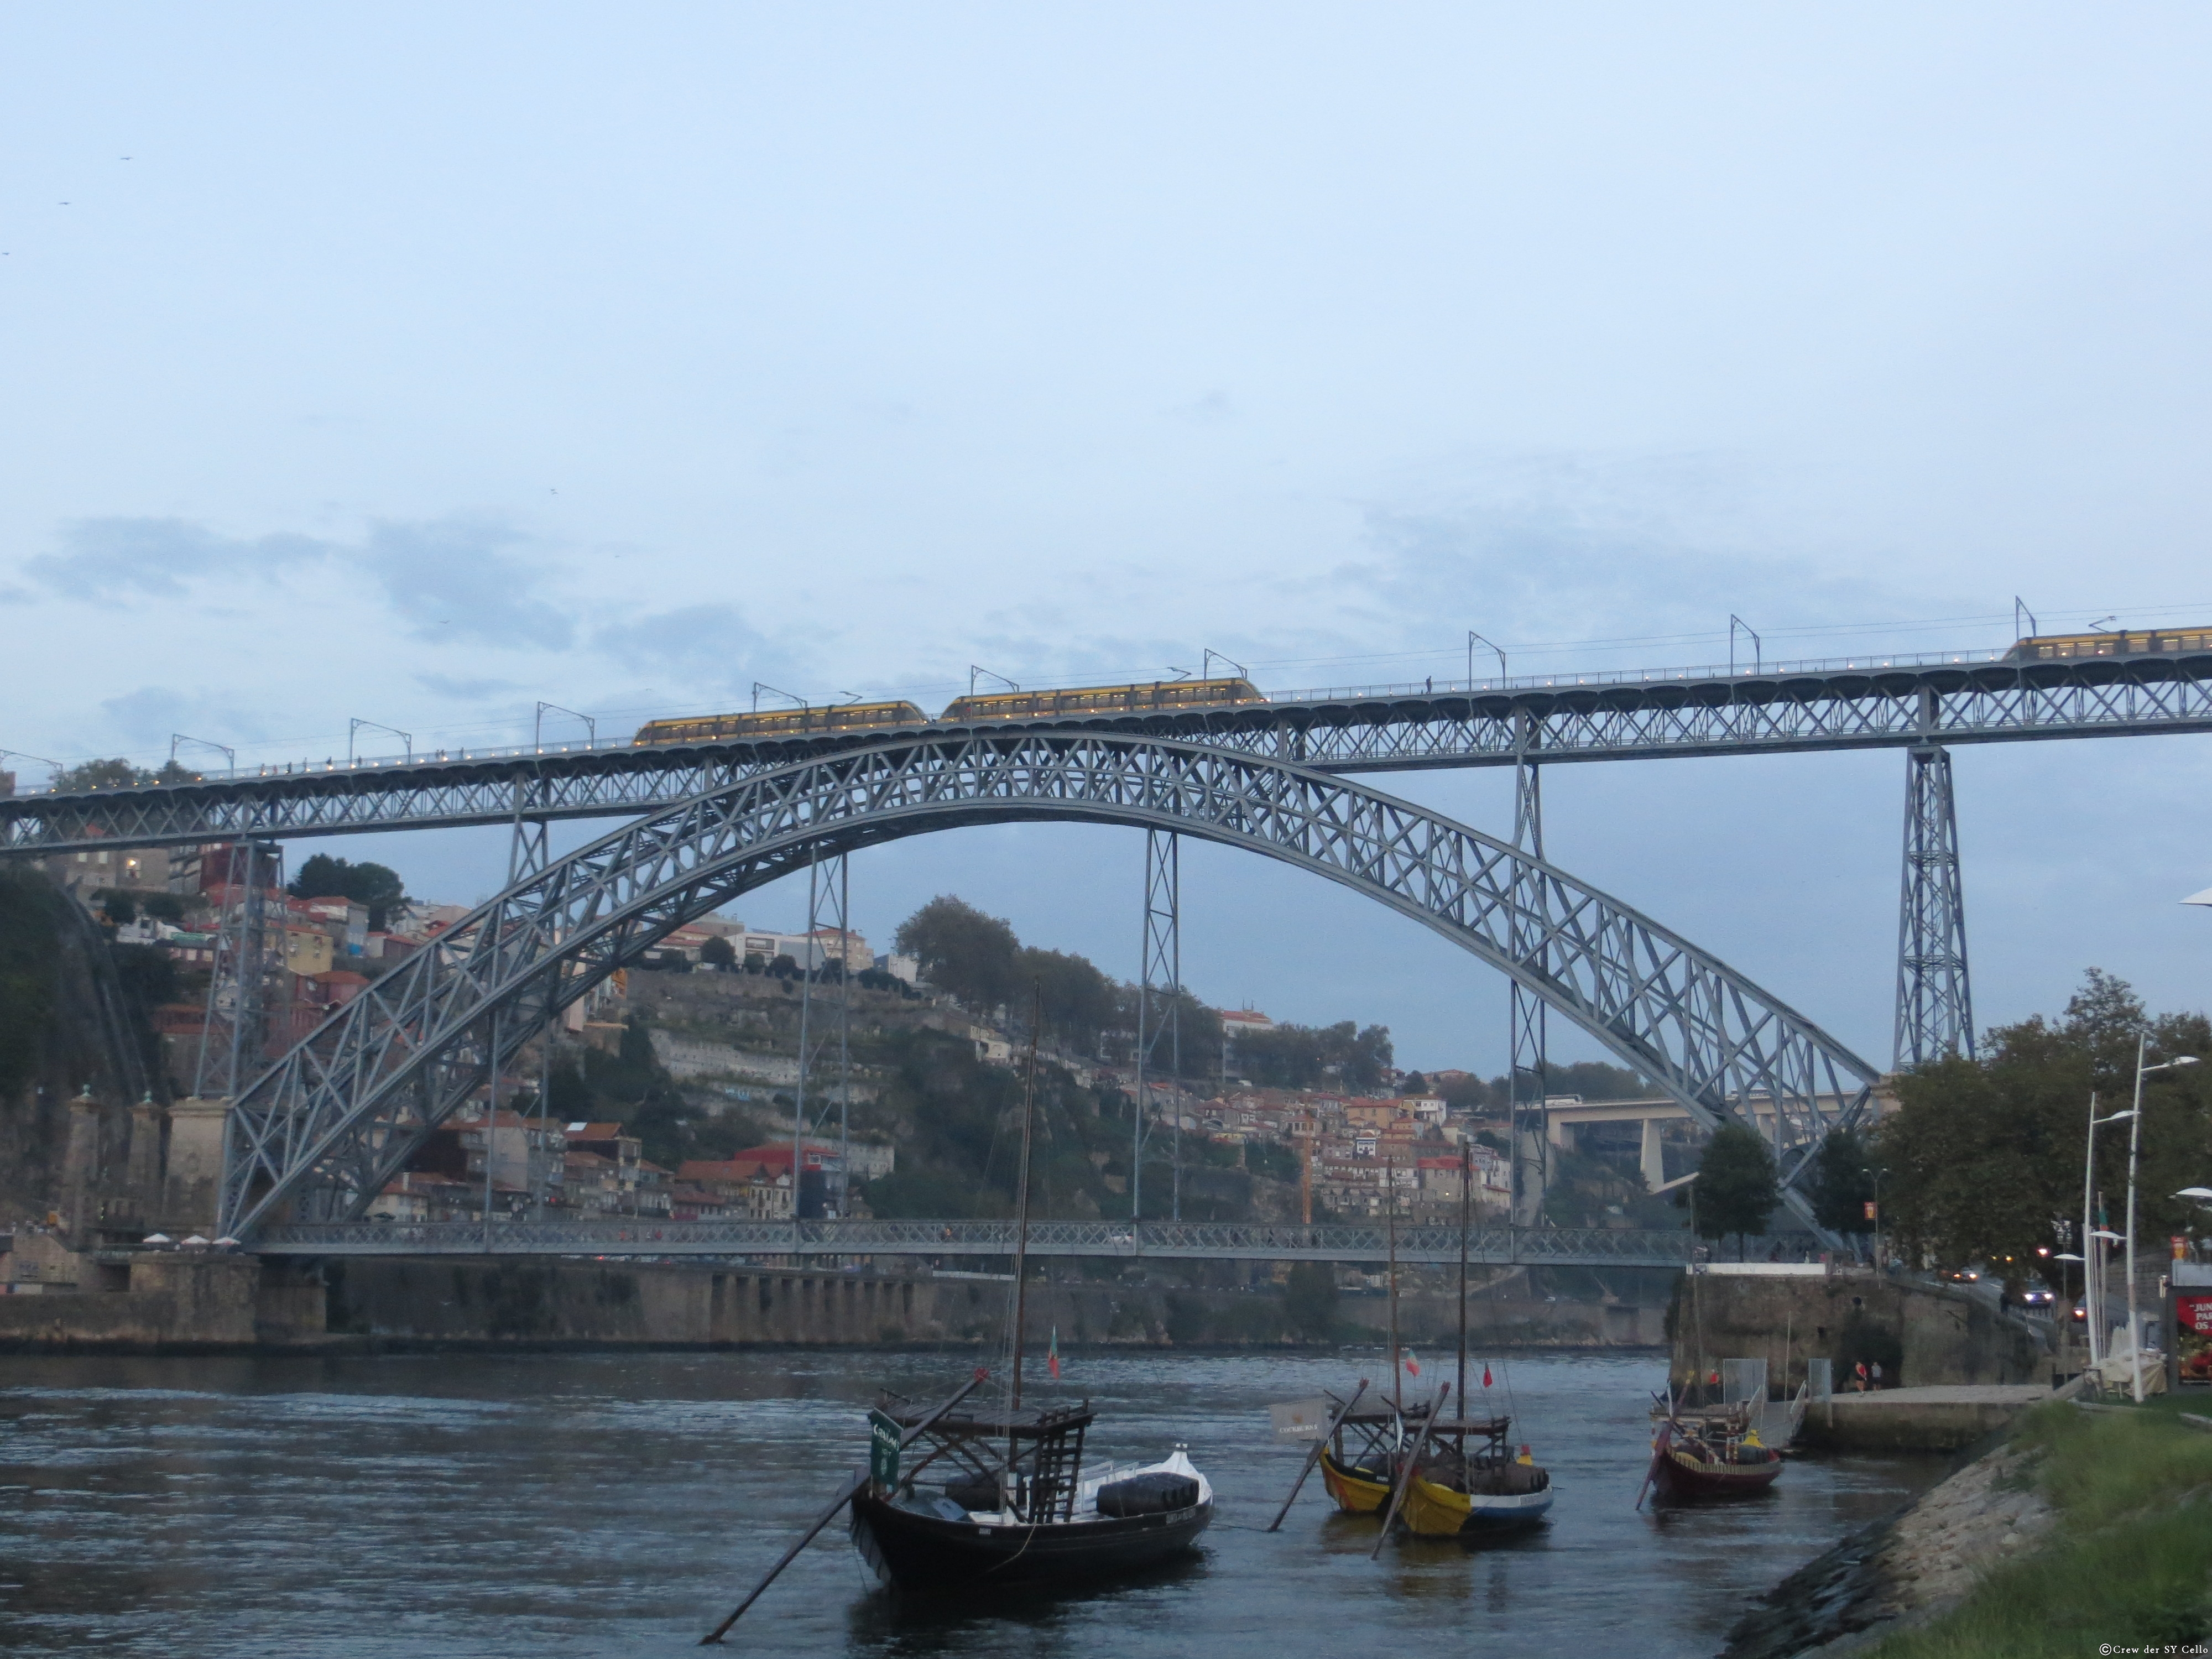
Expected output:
(325, 1127)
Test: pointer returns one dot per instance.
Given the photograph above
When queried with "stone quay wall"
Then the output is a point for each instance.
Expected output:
(1920, 1334)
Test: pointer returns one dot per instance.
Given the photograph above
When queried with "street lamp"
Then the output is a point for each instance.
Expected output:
(2093, 1268)
(1877, 1174)
(2135, 1140)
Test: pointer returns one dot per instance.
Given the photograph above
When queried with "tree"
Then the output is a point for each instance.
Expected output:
(1982, 1153)
(968, 954)
(719, 952)
(373, 885)
(1843, 1183)
(1079, 1001)
(1307, 1056)
(1736, 1187)
(1412, 1083)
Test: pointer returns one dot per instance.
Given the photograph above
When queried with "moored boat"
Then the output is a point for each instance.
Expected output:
(1717, 1457)
(1038, 1516)
(1471, 1482)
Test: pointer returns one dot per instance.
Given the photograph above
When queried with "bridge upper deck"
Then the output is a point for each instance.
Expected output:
(1887, 703)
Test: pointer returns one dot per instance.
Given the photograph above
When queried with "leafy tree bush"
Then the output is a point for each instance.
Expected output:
(970, 955)
(1984, 1154)
(374, 885)
(1316, 1057)
(719, 952)
(1736, 1189)
(1843, 1183)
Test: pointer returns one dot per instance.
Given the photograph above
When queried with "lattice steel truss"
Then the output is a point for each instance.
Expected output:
(1528, 1040)
(1387, 731)
(1934, 1004)
(1159, 1013)
(319, 1134)
(1198, 1241)
(235, 1033)
(828, 909)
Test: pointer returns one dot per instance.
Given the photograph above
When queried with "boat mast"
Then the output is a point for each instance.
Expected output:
(1397, 1371)
(1466, 1170)
(1022, 1207)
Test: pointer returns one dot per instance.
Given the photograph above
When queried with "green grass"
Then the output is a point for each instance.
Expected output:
(2129, 1563)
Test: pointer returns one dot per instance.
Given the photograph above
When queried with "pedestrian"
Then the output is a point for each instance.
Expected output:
(1860, 1380)
(1877, 1375)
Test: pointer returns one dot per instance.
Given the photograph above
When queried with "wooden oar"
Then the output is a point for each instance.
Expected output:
(1413, 1462)
(1659, 1450)
(859, 1478)
(1313, 1456)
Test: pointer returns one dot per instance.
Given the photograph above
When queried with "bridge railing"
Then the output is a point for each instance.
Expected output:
(371, 764)
(1163, 1240)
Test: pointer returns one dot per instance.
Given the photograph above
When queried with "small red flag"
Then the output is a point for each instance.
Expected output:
(1052, 1354)
(1485, 1377)
(1413, 1365)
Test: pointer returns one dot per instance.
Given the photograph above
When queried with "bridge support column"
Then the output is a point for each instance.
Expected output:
(1651, 1157)
(1159, 994)
(1525, 1080)
(234, 1035)
(829, 912)
(1934, 1007)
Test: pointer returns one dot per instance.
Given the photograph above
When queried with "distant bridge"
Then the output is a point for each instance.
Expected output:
(1893, 702)
(1158, 1241)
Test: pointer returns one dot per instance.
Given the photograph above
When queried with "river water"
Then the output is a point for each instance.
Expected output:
(556, 1504)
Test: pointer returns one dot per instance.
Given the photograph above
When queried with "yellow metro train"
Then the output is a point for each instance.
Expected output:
(2121, 642)
(1143, 699)
(782, 722)
(1160, 695)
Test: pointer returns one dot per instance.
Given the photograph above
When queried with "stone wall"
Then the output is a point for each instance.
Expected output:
(1921, 1334)
(170, 1302)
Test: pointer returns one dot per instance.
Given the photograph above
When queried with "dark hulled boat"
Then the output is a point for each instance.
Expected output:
(1717, 1457)
(1013, 1504)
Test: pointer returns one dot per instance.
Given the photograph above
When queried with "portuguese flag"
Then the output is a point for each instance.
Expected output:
(1052, 1354)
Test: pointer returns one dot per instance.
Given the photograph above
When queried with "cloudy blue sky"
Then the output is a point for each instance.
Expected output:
(417, 363)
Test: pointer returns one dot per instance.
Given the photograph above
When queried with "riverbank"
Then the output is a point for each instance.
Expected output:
(2086, 1528)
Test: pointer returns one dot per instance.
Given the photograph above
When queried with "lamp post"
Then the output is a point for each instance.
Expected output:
(1877, 1175)
(2092, 1273)
(2135, 1140)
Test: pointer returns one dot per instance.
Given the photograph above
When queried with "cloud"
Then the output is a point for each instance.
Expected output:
(448, 578)
(108, 561)
(152, 714)
(712, 642)
(456, 578)
(446, 686)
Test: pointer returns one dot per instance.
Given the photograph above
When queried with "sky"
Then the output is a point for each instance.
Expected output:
(417, 364)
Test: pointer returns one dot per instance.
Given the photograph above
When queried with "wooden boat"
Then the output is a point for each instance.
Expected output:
(1467, 1479)
(1012, 1502)
(1016, 1505)
(1705, 1457)
(1471, 1482)
(1359, 1463)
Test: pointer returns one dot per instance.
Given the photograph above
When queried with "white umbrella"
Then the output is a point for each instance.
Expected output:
(2201, 1194)
(157, 1238)
(225, 1242)
(2204, 897)
(196, 1239)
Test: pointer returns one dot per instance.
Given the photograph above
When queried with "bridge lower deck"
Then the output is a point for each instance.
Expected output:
(1567, 1247)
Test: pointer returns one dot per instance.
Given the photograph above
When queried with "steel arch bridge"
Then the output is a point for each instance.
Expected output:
(315, 1138)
